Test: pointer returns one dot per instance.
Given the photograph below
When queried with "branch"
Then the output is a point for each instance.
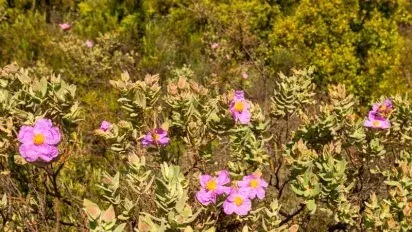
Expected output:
(291, 216)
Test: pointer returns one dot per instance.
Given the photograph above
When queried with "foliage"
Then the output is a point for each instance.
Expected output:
(174, 66)
(352, 42)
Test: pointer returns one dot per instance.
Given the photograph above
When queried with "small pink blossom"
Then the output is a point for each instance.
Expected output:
(245, 75)
(240, 108)
(214, 45)
(156, 137)
(89, 43)
(213, 187)
(382, 111)
(254, 186)
(105, 126)
(64, 26)
(237, 202)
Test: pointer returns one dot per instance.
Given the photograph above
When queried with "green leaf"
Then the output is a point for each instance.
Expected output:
(392, 183)
(109, 215)
(91, 208)
(120, 227)
(245, 229)
(311, 205)
(43, 86)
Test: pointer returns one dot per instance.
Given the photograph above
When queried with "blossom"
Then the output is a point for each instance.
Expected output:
(39, 141)
(253, 185)
(214, 45)
(157, 136)
(375, 122)
(89, 43)
(105, 126)
(64, 26)
(381, 111)
(237, 202)
(213, 187)
(245, 75)
(240, 108)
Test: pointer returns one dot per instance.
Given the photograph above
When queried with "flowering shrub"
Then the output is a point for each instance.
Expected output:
(278, 164)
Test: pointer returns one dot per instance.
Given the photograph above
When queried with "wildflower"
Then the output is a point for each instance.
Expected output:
(237, 202)
(39, 141)
(64, 26)
(254, 185)
(245, 75)
(382, 111)
(105, 126)
(155, 137)
(240, 108)
(375, 122)
(214, 45)
(89, 43)
(213, 187)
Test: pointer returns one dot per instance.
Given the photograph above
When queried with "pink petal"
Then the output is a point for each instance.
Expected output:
(26, 134)
(244, 208)
(228, 207)
(260, 192)
(205, 197)
(204, 179)
(48, 152)
(52, 136)
(223, 177)
(244, 117)
(43, 124)
(367, 123)
(243, 183)
(263, 183)
(28, 153)
(222, 189)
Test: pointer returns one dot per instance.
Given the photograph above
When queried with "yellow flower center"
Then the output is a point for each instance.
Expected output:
(376, 123)
(38, 139)
(155, 137)
(254, 183)
(211, 185)
(238, 201)
(239, 106)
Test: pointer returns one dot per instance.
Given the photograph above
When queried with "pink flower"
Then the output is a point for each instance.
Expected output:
(214, 45)
(105, 126)
(245, 75)
(155, 137)
(213, 187)
(39, 141)
(382, 111)
(240, 108)
(254, 186)
(64, 26)
(89, 43)
(374, 122)
(237, 202)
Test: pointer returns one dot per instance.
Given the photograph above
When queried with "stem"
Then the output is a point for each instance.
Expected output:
(53, 178)
(291, 216)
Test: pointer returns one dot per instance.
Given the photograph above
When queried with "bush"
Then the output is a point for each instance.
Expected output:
(351, 42)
